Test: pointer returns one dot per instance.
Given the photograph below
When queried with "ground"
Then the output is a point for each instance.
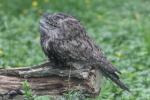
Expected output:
(119, 27)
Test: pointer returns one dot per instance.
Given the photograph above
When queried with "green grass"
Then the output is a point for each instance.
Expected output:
(120, 27)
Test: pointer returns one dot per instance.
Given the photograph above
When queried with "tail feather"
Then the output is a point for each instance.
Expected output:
(115, 78)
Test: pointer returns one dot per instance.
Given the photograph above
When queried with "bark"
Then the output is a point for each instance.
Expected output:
(47, 79)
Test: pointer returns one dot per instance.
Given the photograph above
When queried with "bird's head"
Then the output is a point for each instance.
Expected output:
(59, 23)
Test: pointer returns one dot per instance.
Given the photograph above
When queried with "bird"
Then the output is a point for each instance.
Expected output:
(65, 42)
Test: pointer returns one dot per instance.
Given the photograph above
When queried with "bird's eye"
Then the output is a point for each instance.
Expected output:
(56, 18)
(53, 24)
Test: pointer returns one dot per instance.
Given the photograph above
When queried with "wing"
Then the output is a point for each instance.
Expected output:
(76, 49)
(82, 49)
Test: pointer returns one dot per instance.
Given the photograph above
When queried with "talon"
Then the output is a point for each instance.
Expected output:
(14, 93)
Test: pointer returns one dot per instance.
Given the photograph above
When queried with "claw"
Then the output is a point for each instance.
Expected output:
(14, 93)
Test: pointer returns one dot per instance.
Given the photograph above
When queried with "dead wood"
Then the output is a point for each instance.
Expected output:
(47, 79)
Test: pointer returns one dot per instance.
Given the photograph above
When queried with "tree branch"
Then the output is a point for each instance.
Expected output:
(47, 79)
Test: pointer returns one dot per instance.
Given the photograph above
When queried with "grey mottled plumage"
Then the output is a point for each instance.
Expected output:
(65, 41)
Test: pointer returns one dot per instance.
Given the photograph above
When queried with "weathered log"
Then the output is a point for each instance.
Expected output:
(47, 79)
